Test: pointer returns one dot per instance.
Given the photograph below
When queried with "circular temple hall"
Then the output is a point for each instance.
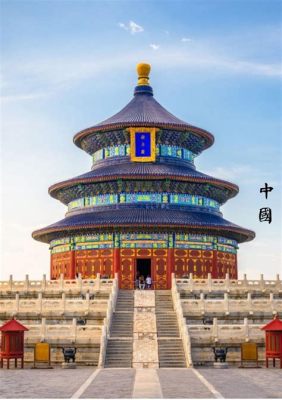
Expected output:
(143, 208)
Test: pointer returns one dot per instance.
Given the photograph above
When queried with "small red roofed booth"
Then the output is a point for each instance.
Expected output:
(12, 342)
(273, 340)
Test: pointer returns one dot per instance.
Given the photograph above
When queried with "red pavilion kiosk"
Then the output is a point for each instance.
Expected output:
(12, 342)
(273, 340)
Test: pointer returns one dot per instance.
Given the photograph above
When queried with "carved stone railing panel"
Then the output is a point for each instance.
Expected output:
(228, 285)
(183, 329)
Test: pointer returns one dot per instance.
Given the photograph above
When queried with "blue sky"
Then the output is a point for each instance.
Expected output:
(67, 65)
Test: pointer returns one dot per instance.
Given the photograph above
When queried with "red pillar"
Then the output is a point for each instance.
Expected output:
(72, 265)
(236, 268)
(116, 263)
(214, 274)
(170, 266)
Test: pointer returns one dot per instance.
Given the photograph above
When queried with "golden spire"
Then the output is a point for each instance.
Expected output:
(143, 70)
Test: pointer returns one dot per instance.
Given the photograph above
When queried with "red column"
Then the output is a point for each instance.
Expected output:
(116, 263)
(170, 266)
(214, 265)
(72, 265)
(236, 268)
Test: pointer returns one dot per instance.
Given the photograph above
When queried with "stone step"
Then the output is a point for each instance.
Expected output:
(119, 353)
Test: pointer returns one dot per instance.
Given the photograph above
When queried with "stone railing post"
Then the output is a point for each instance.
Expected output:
(11, 282)
(250, 304)
(62, 281)
(226, 303)
(26, 286)
(209, 282)
(17, 310)
(98, 281)
(262, 283)
(87, 299)
(44, 282)
(79, 279)
(215, 330)
(272, 304)
(191, 285)
(115, 292)
(277, 281)
(103, 347)
(245, 280)
(202, 303)
(43, 329)
(40, 303)
(246, 329)
(63, 302)
(227, 283)
(74, 329)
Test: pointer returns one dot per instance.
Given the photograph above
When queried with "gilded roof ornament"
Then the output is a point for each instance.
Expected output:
(143, 71)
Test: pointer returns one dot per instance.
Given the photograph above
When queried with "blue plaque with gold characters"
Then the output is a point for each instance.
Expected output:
(142, 144)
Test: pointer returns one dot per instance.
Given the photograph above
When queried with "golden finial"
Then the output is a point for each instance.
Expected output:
(143, 70)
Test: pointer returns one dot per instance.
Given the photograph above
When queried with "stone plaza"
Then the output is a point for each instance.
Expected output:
(142, 383)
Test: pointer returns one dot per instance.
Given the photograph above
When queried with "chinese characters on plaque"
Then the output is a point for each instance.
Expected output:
(143, 144)
(265, 213)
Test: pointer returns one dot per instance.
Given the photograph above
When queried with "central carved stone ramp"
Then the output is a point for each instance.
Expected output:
(120, 344)
(170, 347)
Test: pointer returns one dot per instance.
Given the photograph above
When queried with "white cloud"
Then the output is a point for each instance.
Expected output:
(154, 46)
(132, 27)
(123, 26)
(27, 81)
(185, 39)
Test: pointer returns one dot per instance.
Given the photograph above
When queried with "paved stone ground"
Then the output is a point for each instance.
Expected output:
(243, 383)
(127, 383)
(182, 383)
(111, 383)
(41, 383)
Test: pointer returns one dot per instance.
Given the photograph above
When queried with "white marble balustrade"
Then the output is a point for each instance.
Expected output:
(63, 333)
(235, 333)
(56, 286)
(229, 285)
(228, 306)
(183, 328)
(55, 307)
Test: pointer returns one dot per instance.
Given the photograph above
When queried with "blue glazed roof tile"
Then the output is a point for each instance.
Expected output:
(143, 110)
(137, 217)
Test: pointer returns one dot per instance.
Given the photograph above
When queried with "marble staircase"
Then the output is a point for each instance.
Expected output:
(120, 343)
(170, 346)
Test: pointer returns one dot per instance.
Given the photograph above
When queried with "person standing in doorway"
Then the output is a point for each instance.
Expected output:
(148, 282)
(141, 282)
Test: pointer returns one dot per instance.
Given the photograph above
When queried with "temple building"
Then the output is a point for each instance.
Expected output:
(143, 208)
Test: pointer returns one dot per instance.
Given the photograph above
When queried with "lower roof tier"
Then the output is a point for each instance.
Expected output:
(134, 218)
(142, 171)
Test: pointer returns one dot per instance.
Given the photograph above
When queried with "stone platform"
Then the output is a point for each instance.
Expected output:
(141, 383)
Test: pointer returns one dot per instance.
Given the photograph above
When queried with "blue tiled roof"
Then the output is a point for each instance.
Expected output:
(140, 217)
(143, 110)
(143, 170)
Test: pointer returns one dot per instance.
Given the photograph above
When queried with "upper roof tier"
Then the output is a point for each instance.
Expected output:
(143, 110)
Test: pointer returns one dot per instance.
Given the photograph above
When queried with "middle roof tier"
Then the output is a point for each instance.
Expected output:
(143, 177)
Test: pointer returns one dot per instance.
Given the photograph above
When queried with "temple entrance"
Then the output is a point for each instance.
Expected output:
(143, 267)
